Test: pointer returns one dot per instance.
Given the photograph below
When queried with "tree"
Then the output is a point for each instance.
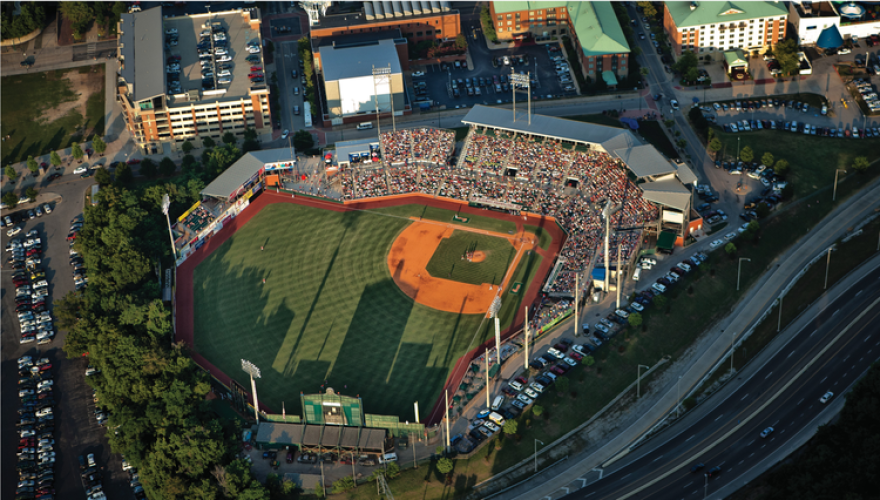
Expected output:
(681, 143)
(148, 168)
(588, 361)
(123, 174)
(187, 147)
(510, 427)
(648, 9)
(31, 18)
(302, 140)
(660, 301)
(102, 177)
(645, 71)
(747, 155)
(80, 15)
(767, 159)
(635, 320)
(715, 144)
(208, 143)
(445, 466)
(10, 199)
(488, 25)
(10, 172)
(692, 74)
(31, 194)
(229, 138)
(562, 384)
(167, 167)
(343, 485)
(786, 56)
(75, 150)
(860, 164)
(781, 167)
(33, 166)
(393, 469)
(762, 210)
(319, 490)
(537, 410)
(730, 248)
(55, 159)
(461, 41)
(99, 145)
(686, 62)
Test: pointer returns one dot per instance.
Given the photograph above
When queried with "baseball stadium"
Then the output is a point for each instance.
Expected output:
(373, 270)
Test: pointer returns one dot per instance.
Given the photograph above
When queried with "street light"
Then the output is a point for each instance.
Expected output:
(738, 269)
(252, 370)
(834, 196)
(827, 266)
(536, 453)
(706, 486)
(639, 383)
(678, 408)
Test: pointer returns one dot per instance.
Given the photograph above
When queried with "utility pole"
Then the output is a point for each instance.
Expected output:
(618, 279)
(779, 324)
(488, 405)
(166, 202)
(827, 266)
(526, 361)
(732, 338)
(252, 370)
(639, 383)
(834, 196)
(678, 407)
(536, 453)
(577, 317)
(447, 419)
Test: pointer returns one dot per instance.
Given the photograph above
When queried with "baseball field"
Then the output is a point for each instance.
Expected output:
(308, 295)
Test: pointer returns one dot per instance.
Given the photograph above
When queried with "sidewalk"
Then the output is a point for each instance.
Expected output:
(706, 353)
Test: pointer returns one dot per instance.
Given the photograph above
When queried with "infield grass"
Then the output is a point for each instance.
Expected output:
(329, 311)
(447, 260)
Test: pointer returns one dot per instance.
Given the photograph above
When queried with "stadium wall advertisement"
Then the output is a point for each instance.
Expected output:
(239, 213)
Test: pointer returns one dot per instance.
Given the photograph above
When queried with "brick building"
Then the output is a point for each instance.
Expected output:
(716, 27)
(593, 27)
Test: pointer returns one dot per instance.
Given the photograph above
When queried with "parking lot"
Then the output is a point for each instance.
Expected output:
(533, 59)
(75, 431)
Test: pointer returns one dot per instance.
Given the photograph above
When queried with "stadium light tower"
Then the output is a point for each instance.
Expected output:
(522, 81)
(493, 312)
(381, 76)
(252, 370)
(166, 202)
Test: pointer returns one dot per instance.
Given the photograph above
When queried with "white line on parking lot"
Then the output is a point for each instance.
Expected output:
(751, 443)
(690, 483)
(844, 359)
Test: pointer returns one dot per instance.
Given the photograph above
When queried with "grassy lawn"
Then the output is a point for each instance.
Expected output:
(544, 238)
(813, 159)
(328, 311)
(652, 131)
(28, 102)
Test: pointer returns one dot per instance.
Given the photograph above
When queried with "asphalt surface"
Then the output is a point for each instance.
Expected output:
(829, 353)
(76, 430)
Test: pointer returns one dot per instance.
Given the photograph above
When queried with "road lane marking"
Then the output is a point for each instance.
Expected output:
(801, 401)
(823, 379)
(744, 397)
(690, 483)
(719, 416)
(835, 312)
(751, 455)
(658, 458)
(844, 359)
(768, 375)
(626, 476)
(814, 333)
(789, 355)
(688, 439)
(740, 462)
(859, 293)
(766, 404)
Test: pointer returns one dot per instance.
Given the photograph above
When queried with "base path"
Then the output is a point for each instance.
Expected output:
(412, 250)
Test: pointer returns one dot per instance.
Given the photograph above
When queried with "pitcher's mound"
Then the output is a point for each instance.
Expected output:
(478, 256)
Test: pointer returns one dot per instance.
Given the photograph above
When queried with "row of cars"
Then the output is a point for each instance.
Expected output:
(674, 275)
(36, 425)
(868, 93)
(757, 104)
(11, 220)
(76, 261)
(91, 475)
(31, 289)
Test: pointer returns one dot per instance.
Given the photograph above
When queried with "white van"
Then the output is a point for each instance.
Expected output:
(498, 419)
(499, 400)
(388, 457)
(365, 126)
(637, 274)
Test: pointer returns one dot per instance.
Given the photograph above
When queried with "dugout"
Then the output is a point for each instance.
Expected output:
(248, 171)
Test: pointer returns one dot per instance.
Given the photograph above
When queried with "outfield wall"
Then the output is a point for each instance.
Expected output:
(184, 298)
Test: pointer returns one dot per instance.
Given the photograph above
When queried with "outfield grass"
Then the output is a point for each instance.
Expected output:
(25, 101)
(328, 311)
(544, 237)
(813, 159)
(447, 260)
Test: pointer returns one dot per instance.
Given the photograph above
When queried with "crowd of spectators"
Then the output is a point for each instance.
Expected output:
(541, 176)
(547, 312)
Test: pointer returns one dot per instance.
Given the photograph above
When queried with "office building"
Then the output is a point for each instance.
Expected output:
(852, 19)
(716, 27)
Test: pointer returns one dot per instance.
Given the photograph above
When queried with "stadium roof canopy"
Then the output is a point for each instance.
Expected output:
(610, 138)
(141, 46)
(357, 146)
(668, 192)
(644, 161)
(245, 168)
(685, 174)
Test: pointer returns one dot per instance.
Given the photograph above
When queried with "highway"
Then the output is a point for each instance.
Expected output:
(829, 353)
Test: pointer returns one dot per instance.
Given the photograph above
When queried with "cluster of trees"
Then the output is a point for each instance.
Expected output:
(841, 461)
(648, 9)
(31, 18)
(155, 393)
(785, 53)
(304, 48)
(686, 66)
(83, 14)
(488, 25)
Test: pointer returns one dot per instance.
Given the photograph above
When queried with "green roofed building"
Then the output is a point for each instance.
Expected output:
(716, 27)
(592, 26)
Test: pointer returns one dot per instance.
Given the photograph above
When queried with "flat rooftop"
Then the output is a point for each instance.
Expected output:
(359, 17)
(238, 34)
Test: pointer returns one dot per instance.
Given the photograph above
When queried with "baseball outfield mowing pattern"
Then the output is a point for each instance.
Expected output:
(447, 261)
(328, 310)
